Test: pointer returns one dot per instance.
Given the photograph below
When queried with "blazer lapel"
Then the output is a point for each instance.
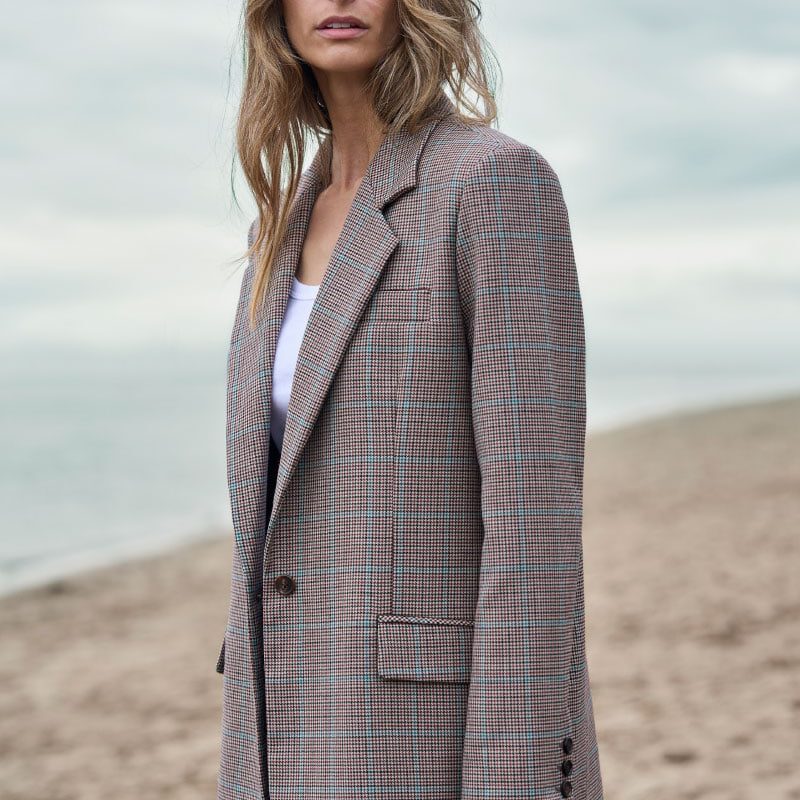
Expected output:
(361, 252)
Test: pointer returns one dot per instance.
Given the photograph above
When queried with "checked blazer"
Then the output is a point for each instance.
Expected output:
(406, 613)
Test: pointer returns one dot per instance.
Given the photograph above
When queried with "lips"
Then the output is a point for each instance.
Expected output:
(340, 23)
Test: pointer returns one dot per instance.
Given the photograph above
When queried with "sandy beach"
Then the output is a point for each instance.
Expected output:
(692, 540)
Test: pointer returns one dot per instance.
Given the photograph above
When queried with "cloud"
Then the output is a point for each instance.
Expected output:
(672, 128)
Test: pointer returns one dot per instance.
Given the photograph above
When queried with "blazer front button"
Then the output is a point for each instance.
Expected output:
(284, 585)
(566, 788)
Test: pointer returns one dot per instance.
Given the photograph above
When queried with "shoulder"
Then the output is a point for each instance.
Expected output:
(477, 157)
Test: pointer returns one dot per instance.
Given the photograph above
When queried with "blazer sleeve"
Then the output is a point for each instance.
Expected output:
(520, 298)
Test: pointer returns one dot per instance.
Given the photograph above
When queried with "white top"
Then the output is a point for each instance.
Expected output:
(298, 307)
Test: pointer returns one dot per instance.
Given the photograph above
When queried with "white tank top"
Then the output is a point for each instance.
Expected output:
(298, 307)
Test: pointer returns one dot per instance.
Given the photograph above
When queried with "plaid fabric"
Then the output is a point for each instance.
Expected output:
(428, 498)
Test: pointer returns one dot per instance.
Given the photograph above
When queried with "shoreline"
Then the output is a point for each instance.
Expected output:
(91, 560)
(74, 566)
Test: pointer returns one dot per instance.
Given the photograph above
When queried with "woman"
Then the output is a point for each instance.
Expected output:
(406, 616)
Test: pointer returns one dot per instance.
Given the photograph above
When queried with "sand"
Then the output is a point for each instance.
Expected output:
(692, 533)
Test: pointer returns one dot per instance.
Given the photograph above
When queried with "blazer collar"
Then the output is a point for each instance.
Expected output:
(361, 252)
(393, 167)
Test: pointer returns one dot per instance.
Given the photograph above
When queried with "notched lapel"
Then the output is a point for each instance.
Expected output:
(365, 244)
(362, 250)
(359, 257)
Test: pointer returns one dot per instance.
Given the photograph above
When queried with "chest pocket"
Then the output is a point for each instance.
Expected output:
(396, 305)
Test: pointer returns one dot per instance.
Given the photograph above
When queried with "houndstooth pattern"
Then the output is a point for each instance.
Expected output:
(428, 497)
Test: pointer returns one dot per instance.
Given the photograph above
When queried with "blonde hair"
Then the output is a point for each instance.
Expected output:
(440, 43)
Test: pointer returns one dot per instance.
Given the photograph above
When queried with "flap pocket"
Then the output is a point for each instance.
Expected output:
(424, 648)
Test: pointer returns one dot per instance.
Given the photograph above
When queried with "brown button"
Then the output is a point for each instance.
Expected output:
(566, 767)
(284, 585)
(567, 745)
(565, 788)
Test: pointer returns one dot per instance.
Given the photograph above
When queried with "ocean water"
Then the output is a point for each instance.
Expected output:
(105, 456)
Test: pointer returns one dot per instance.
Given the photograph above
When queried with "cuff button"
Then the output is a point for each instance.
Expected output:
(567, 745)
(565, 788)
(566, 767)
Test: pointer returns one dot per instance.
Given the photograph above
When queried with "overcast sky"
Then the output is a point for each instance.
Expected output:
(672, 126)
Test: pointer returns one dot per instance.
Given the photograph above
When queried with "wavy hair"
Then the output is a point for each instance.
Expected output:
(440, 44)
